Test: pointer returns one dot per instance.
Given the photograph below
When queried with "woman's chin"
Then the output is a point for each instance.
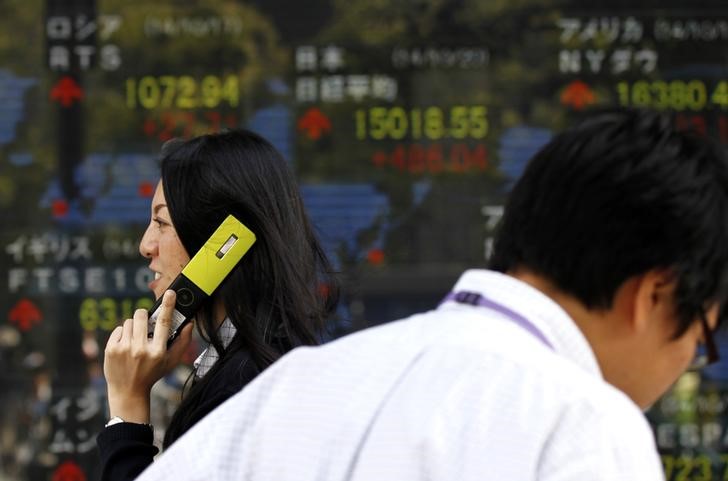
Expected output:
(154, 286)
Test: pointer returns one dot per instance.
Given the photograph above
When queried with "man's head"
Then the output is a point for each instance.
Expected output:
(629, 217)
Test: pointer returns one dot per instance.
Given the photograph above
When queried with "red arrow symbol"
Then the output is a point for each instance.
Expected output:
(59, 207)
(578, 95)
(25, 314)
(69, 471)
(149, 127)
(375, 256)
(146, 189)
(66, 91)
(314, 123)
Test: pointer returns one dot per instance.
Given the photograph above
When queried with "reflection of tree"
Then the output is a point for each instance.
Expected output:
(22, 27)
(518, 86)
(251, 51)
(22, 55)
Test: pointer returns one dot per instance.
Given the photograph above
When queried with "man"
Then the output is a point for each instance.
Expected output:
(610, 268)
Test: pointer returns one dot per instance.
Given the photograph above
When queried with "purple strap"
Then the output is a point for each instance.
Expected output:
(475, 299)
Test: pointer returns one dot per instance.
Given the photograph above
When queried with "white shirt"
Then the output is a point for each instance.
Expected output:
(209, 356)
(458, 393)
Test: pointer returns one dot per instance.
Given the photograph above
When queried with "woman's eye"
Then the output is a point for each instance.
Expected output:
(160, 223)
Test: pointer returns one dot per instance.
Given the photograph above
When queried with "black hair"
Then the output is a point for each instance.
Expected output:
(622, 193)
(283, 290)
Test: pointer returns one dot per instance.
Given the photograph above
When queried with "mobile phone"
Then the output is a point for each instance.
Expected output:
(204, 273)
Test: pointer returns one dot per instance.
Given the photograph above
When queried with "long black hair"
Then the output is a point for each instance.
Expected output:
(283, 290)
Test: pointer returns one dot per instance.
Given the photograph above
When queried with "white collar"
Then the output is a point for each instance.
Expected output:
(543, 312)
(209, 356)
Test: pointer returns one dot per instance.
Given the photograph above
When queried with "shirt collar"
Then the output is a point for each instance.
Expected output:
(209, 356)
(545, 314)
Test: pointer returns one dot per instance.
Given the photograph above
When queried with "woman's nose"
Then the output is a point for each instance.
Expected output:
(148, 245)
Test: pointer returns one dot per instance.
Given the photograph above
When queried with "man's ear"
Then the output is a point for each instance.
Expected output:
(653, 297)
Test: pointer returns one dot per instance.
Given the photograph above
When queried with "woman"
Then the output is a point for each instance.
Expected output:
(271, 301)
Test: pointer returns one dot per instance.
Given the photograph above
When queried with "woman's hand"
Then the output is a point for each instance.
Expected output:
(133, 363)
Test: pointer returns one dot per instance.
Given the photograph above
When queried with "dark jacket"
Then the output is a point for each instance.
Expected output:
(126, 449)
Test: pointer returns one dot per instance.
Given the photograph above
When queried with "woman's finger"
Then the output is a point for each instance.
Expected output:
(163, 325)
(115, 336)
(141, 321)
(127, 331)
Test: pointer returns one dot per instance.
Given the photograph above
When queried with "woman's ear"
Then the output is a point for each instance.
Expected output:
(653, 297)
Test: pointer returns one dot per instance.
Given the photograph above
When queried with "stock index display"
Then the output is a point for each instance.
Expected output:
(406, 123)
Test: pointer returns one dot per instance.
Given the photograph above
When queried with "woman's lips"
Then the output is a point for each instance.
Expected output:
(155, 282)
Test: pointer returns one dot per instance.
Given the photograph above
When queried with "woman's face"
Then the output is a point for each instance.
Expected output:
(161, 245)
